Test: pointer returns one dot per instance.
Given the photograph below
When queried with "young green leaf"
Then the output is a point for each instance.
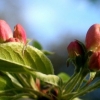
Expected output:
(52, 79)
(47, 52)
(65, 77)
(37, 45)
(13, 60)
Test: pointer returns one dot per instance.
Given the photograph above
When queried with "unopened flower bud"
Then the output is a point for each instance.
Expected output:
(94, 61)
(93, 38)
(74, 49)
(13, 40)
(19, 33)
(5, 31)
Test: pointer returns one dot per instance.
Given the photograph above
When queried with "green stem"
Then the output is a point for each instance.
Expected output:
(30, 92)
(22, 80)
(87, 89)
(70, 81)
(18, 96)
(74, 82)
(80, 81)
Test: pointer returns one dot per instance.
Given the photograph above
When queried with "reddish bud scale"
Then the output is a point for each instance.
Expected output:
(93, 38)
(74, 49)
(5, 31)
(13, 40)
(19, 33)
(94, 61)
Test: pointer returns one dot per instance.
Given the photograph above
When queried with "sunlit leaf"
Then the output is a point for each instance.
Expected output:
(52, 79)
(13, 58)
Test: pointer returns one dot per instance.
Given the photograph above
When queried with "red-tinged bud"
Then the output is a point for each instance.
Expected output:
(74, 49)
(94, 61)
(93, 38)
(13, 40)
(38, 84)
(19, 33)
(5, 31)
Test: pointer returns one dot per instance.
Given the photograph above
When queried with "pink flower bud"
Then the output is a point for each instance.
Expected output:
(74, 49)
(5, 31)
(20, 33)
(94, 61)
(93, 38)
(13, 40)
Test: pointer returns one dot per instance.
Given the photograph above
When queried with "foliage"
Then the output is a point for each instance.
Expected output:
(26, 71)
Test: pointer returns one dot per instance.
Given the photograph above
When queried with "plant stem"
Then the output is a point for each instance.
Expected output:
(74, 82)
(86, 89)
(69, 81)
(22, 80)
(82, 76)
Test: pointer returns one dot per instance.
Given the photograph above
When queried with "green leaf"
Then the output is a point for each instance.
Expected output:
(47, 52)
(65, 77)
(14, 81)
(12, 59)
(52, 79)
(37, 45)
(5, 82)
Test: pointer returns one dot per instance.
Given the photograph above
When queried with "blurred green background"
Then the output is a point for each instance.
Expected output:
(54, 23)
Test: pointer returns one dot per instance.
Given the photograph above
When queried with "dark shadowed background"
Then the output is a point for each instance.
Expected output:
(54, 23)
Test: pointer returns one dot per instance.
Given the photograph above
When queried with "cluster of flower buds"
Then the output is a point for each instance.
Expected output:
(91, 48)
(93, 45)
(6, 34)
